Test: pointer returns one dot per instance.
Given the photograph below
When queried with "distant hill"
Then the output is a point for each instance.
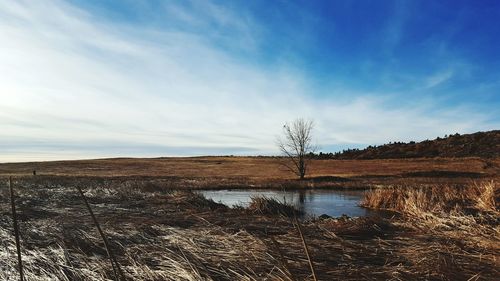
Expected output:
(480, 144)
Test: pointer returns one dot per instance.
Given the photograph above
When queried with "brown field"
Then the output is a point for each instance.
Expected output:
(221, 172)
(445, 225)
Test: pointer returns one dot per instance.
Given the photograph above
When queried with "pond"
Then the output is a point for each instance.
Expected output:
(334, 203)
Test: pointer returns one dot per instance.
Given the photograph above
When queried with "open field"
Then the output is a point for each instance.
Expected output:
(445, 226)
(242, 172)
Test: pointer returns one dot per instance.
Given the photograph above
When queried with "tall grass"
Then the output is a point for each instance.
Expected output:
(456, 231)
(467, 200)
(270, 206)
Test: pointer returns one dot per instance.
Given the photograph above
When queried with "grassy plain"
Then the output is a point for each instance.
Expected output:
(265, 172)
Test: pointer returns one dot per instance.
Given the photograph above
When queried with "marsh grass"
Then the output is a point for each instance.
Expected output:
(461, 226)
(271, 206)
(476, 198)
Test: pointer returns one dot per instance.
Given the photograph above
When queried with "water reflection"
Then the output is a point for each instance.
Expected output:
(313, 202)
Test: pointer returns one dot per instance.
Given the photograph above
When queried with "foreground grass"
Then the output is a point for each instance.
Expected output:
(462, 223)
(160, 234)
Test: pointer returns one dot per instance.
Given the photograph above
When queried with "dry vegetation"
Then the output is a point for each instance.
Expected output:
(271, 206)
(474, 199)
(160, 234)
(462, 224)
(447, 228)
(265, 172)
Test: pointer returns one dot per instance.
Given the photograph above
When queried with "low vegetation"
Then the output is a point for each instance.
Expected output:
(160, 234)
(257, 172)
(271, 206)
(462, 223)
(472, 199)
(440, 226)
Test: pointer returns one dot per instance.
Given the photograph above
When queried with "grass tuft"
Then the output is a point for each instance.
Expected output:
(270, 206)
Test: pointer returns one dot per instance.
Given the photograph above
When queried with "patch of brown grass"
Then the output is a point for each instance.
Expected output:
(456, 229)
(260, 171)
(416, 201)
(270, 206)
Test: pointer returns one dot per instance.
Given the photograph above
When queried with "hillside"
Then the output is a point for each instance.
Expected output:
(480, 144)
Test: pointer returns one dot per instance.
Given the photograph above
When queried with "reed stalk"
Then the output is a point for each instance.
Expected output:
(16, 231)
(306, 249)
(114, 264)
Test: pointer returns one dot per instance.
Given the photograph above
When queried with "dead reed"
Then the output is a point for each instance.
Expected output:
(16, 230)
(461, 200)
(270, 206)
(117, 272)
(460, 226)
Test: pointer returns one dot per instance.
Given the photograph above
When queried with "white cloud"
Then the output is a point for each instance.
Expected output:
(76, 86)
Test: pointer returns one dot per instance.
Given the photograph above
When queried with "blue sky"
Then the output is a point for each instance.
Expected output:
(85, 79)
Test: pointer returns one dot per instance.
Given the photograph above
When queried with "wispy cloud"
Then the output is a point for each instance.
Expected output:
(438, 78)
(75, 85)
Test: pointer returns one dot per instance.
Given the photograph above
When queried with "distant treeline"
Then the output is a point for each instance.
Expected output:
(480, 144)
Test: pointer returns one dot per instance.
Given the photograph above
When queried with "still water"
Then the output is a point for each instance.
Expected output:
(334, 203)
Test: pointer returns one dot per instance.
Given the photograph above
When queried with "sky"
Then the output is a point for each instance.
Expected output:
(93, 79)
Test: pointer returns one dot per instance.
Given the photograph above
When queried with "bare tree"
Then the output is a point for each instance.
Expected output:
(296, 144)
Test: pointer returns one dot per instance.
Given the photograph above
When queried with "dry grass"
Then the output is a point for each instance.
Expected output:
(271, 206)
(461, 226)
(457, 200)
(60, 242)
(160, 234)
(265, 172)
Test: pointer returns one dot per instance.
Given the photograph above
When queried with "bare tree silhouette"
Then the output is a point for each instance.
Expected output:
(296, 144)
